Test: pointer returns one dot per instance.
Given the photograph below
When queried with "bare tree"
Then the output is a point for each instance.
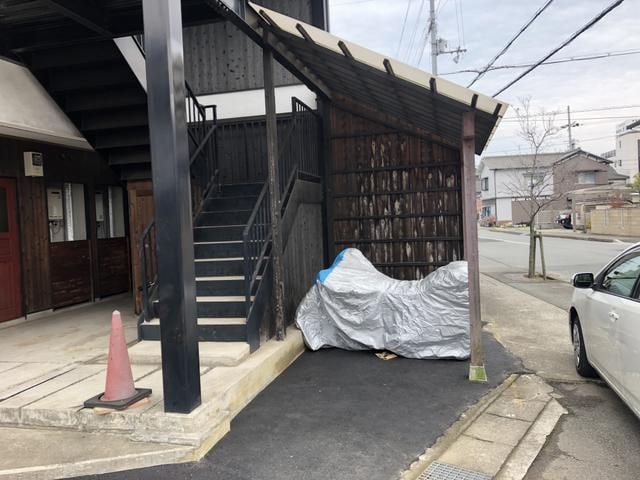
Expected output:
(533, 182)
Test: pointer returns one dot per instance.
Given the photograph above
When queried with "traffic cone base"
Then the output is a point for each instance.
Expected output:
(119, 392)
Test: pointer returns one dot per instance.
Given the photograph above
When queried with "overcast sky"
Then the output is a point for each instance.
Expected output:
(485, 26)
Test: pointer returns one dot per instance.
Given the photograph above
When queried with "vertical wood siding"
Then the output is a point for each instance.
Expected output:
(70, 273)
(220, 58)
(113, 266)
(395, 196)
(242, 149)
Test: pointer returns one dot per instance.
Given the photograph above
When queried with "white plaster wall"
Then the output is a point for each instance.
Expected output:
(27, 110)
(250, 103)
(627, 153)
(503, 207)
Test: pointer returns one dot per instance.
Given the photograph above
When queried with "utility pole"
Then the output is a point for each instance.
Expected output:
(439, 45)
(568, 126)
(434, 37)
(571, 146)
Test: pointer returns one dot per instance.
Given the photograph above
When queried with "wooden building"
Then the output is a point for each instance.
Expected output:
(295, 145)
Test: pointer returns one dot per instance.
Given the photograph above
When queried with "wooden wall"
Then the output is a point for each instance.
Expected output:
(55, 274)
(303, 256)
(242, 149)
(394, 195)
(220, 58)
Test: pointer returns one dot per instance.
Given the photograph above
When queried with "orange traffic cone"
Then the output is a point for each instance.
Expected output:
(119, 392)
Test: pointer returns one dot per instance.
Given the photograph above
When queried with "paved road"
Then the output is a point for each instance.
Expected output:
(508, 252)
(600, 437)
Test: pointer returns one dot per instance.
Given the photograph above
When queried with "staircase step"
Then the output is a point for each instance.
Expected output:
(91, 79)
(213, 204)
(219, 267)
(217, 233)
(222, 306)
(108, 99)
(232, 248)
(232, 329)
(212, 354)
(228, 217)
(228, 285)
(239, 189)
(125, 137)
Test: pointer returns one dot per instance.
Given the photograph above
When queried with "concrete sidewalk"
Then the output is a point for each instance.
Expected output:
(564, 233)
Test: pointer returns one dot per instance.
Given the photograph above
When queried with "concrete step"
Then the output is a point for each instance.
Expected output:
(212, 354)
(213, 329)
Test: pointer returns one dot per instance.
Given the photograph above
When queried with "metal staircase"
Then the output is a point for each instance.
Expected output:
(232, 240)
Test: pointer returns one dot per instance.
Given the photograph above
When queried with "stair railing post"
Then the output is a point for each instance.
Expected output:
(170, 170)
(274, 188)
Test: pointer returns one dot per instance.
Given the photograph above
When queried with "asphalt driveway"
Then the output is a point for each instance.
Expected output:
(336, 414)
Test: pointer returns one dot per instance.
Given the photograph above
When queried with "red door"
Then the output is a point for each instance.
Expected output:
(10, 289)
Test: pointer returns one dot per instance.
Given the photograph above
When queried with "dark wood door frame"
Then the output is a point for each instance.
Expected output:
(10, 258)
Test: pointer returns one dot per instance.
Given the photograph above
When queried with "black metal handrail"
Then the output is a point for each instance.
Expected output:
(300, 151)
(256, 240)
(148, 269)
(202, 123)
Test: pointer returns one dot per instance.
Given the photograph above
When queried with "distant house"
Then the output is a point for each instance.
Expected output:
(626, 155)
(504, 181)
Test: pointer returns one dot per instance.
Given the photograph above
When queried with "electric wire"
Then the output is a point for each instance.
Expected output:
(586, 27)
(404, 26)
(577, 58)
(510, 42)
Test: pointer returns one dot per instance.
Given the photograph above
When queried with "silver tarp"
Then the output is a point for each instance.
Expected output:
(355, 307)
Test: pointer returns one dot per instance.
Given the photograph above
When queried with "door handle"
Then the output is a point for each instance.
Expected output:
(613, 316)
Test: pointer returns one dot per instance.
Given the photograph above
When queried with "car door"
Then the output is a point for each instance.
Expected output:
(628, 345)
(611, 299)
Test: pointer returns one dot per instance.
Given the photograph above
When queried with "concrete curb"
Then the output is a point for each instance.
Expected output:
(454, 431)
(501, 436)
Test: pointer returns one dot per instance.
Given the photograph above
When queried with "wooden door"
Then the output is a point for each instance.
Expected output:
(10, 287)
(140, 215)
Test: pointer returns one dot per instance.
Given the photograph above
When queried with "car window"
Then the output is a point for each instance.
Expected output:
(621, 278)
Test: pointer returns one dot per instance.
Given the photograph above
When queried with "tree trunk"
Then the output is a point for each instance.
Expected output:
(532, 249)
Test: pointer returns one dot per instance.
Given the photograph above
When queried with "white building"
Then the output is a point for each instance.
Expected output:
(627, 153)
(502, 177)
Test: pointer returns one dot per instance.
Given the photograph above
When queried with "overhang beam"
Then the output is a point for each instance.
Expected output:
(87, 13)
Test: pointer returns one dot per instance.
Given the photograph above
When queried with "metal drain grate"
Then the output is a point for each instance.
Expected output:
(444, 471)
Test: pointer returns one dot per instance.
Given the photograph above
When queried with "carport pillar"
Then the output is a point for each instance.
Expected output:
(172, 203)
(274, 193)
(477, 372)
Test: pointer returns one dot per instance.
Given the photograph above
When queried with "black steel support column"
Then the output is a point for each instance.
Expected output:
(172, 203)
(274, 191)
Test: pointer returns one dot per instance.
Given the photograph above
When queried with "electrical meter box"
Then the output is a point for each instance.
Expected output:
(33, 164)
(54, 204)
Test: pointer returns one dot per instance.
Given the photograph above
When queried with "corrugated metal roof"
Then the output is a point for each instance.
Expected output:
(368, 78)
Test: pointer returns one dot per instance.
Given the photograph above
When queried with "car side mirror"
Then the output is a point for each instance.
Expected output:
(583, 280)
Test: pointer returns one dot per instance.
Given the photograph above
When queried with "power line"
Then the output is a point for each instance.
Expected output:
(625, 117)
(404, 26)
(599, 17)
(506, 47)
(578, 58)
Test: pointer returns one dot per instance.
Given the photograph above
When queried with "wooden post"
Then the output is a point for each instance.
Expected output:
(274, 191)
(477, 372)
(172, 205)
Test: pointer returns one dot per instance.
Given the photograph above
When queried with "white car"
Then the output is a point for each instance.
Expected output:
(605, 325)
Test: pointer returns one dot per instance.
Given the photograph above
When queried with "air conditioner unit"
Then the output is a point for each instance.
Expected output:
(33, 164)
